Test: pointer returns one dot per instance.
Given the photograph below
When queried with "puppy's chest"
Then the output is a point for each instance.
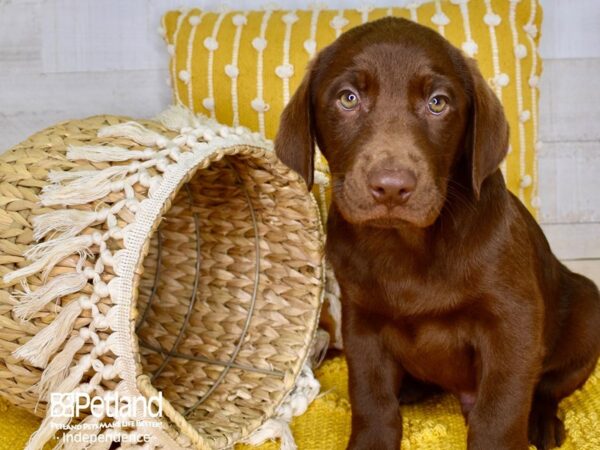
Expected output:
(411, 295)
(430, 318)
(435, 350)
(398, 288)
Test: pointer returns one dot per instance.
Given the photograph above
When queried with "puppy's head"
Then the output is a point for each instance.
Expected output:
(401, 115)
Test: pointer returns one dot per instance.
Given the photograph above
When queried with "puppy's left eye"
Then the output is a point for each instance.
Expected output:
(348, 100)
(437, 104)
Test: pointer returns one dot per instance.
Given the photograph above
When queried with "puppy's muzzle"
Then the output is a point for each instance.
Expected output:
(392, 187)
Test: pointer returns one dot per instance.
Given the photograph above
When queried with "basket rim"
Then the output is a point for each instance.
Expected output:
(143, 383)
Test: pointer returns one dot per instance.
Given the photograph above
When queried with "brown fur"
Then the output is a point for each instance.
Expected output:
(456, 288)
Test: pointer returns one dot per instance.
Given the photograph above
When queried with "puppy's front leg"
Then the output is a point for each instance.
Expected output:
(374, 383)
(509, 362)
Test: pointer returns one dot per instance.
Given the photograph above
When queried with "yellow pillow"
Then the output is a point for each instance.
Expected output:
(242, 67)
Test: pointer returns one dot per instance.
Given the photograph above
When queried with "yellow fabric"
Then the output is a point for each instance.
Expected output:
(433, 425)
(209, 48)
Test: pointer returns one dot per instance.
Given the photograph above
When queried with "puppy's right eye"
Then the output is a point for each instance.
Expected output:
(349, 100)
(437, 104)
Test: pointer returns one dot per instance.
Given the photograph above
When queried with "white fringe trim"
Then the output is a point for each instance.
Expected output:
(274, 429)
(306, 390)
(45, 432)
(177, 117)
(334, 305)
(68, 222)
(90, 429)
(32, 301)
(48, 259)
(58, 369)
(136, 132)
(321, 178)
(99, 153)
(39, 348)
(85, 186)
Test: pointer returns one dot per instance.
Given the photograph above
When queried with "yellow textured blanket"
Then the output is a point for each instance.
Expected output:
(433, 425)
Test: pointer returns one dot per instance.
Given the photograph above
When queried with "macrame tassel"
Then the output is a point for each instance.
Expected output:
(50, 424)
(47, 249)
(335, 311)
(334, 305)
(136, 132)
(70, 383)
(90, 428)
(44, 344)
(69, 222)
(102, 444)
(84, 186)
(58, 176)
(48, 428)
(32, 301)
(319, 348)
(98, 153)
(274, 429)
(177, 117)
(49, 254)
(306, 389)
(58, 369)
(321, 178)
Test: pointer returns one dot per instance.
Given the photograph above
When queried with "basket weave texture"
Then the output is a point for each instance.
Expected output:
(200, 265)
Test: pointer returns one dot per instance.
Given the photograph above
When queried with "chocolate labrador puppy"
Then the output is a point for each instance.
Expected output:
(447, 281)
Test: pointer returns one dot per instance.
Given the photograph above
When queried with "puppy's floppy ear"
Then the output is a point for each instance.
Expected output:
(489, 130)
(295, 141)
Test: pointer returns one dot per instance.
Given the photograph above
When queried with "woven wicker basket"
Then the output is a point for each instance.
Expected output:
(186, 263)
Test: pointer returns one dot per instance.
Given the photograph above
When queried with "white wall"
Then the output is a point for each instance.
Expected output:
(62, 59)
(569, 160)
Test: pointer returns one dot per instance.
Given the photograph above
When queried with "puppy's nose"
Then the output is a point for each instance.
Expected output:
(392, 186)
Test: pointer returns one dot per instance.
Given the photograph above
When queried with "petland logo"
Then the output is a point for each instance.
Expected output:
(114, 406)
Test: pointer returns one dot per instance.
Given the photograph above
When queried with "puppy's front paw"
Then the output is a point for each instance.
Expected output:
(546, 431)
(372, 439)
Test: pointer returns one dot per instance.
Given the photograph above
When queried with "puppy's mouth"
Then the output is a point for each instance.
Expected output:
(356, 206)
